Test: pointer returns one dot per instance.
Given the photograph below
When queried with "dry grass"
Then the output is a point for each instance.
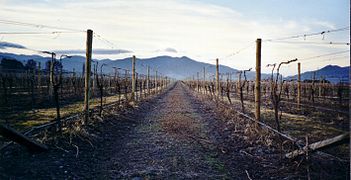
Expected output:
(180, 125)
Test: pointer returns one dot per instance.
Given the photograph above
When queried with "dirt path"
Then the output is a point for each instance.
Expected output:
(171, 141)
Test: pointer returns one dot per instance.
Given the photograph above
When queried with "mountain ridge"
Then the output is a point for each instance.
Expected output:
(332, 73)
(178, 67)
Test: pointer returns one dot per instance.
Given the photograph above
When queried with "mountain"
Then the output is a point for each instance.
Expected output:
(176, 67)
(331, 73)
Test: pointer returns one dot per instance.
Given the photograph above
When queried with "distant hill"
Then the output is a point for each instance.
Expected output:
(331, 73)
(176, 67)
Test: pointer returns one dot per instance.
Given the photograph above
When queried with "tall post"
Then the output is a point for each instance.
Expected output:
(197, 82)
(125, 85)
(320, 87)
(298, 84)
(133, 79)
(217, 78)
(156, 82)
(89, 46)
(148, 80)
(204, 82)
(39, 76)
(94, 82)
(51, 76)
(258, 82)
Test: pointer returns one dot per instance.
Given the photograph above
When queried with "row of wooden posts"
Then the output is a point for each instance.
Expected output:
(88, 75)
(257, 81)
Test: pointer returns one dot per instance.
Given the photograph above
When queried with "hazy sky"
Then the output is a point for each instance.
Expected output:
(202, 30)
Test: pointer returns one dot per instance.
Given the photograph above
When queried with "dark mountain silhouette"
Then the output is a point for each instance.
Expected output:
(332, 73)
(176, 67)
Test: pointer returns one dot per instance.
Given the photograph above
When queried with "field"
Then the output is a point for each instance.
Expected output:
(209, 128)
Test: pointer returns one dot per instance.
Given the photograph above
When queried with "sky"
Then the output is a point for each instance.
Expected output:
(202, 30)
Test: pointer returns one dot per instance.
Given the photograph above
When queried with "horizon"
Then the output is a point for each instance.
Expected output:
(202, 31)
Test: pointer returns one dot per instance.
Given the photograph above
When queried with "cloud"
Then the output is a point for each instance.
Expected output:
(4, 45)
(202, 31)
(95, 51)
(167, 50)
(172, 50)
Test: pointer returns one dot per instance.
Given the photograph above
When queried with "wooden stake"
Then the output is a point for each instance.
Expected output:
(94, 82)
(21, 139)
(320, 145)
(258, 82)
(39, 77)
(133, 79)
(89, 46)
(148, 80)
(298, 84)
(51, 76)
(204, 82)
(125, 85)
(217, 78)
(156, 82)
(197, 82)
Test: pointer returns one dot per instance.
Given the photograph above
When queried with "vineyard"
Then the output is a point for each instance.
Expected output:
(34, 100)
(25, 92)
(292, 114)
(319, 111)
(112, 122)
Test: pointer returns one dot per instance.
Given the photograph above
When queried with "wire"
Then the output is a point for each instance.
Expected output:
(310, 34)
(109, 43)
(323, 43)
(17, 23)
(34, 33)
(323, 55)
(331, 59)
(238, 51)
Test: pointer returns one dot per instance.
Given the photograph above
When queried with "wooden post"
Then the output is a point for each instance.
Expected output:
(125, 85)
(89, 45)
(133, 79)
(258, 82)
(51, 76)
(21, 139)
(137, 97)
(197, 82)
(320, 87)
(204, 82)
(156, 82)
(94, 82)
(39, 77)
(148, 80)
(298, 84)
(217, 78)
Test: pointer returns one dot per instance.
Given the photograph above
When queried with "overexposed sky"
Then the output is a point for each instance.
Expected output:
(201, 30)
